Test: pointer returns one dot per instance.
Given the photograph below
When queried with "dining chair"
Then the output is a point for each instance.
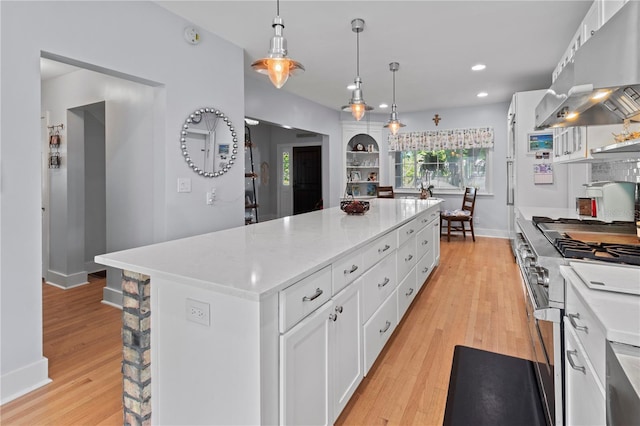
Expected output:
(460, 216)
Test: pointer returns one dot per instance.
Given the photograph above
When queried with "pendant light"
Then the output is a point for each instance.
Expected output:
(357, 105)
(393, 124)
(276, 65)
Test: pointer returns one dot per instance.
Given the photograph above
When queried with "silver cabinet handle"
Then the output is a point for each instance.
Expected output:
(425, 270)
(572, 363)
(597, 283)
(425, 220)
(386, 327)
(385, 282)
(572, 320)
(410, 292)
(408, 258)
(410, 231)
(353, 269)
(314, 296)
(425, 242)
(333, 317)
(339, 309)
(385, 248)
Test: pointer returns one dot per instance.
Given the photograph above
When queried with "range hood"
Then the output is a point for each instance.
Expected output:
(602, 83)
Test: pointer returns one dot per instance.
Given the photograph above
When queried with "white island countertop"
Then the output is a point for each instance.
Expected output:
(257, 260)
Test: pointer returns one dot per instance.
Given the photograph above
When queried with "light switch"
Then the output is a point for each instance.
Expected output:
(184, 185)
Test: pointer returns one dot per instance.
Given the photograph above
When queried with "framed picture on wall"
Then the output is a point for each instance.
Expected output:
(540, 141)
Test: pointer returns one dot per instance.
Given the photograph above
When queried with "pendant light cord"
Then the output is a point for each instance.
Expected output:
(277, 7)
(357, 53)
(394, 88)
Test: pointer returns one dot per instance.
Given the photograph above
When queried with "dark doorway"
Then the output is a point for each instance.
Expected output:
(307, 178)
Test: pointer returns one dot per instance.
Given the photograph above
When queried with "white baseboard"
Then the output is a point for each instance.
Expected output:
(112, 297)
(19, 382)
(66, 281)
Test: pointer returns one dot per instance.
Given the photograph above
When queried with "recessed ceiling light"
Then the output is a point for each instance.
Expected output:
(251, 121)
(478, 67)
(351, 86)
(383, 106)
(482, 95)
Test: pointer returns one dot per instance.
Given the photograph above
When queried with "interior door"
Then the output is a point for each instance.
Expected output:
(307, 178)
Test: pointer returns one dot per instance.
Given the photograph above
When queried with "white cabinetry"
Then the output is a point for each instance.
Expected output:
(345, 347)
(574, 144)
(584, 362)
(321, 361)
(304, 371)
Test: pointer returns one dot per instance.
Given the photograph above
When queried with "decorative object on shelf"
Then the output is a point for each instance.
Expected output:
(434, 140)
(357, 105)
(436, 119)
(355, 176)
(358, 147)
(394, 125)
(277, 65)
(626, 134)
(212, 152)
(373, 177)
(54, 145)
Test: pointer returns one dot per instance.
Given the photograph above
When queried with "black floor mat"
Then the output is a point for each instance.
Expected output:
(487, 388)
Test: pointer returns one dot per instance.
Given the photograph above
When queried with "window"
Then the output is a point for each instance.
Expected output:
(285, 168)
(445, 169)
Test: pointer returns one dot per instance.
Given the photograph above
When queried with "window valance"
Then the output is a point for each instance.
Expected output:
(434, 140)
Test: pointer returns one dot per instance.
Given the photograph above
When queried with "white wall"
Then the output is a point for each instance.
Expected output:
(264, 102)
(137, 40)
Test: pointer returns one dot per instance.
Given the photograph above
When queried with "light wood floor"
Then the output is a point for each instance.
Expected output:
(473, 298)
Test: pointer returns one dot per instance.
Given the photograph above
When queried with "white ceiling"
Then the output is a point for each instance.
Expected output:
(435, 42)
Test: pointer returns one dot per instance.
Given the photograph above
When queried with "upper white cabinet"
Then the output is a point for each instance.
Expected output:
(574, 144)
(361, 145)
(599, 13)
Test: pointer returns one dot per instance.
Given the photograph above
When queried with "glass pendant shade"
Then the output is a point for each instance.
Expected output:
(277, 65)
(394, 124)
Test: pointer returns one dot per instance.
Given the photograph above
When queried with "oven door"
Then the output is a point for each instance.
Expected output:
(540, 321)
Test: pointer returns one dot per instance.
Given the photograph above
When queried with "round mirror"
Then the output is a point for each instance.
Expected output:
(208, 149)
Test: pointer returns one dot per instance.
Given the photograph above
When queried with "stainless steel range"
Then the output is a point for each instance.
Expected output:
(542, 245)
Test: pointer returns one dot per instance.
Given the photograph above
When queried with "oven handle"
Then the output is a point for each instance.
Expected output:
(542, 313)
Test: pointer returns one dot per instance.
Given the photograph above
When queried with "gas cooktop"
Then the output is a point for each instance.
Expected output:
(614, 242)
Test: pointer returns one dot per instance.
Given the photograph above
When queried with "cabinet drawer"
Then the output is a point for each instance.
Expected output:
(379, 283)
(427, 217)
(407, 258)
(378, 330)
(585, 396)
(424, 241)
(300, 299)
(424, 267)
(407, 231)
(380, 248)
(347, 270)
(407, 291)
(587, 329)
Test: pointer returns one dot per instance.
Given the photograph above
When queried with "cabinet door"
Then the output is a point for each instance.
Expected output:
(346, 346)
(304, 370)
(585, 397)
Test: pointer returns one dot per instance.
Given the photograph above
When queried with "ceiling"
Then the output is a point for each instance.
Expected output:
(435, 42)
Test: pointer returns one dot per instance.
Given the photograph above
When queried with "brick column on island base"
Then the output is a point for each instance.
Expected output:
(136, 348)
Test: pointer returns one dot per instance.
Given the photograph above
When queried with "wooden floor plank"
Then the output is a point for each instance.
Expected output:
(473, 298)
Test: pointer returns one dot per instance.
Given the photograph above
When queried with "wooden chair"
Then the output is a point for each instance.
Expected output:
(385, 192)
(462, 216)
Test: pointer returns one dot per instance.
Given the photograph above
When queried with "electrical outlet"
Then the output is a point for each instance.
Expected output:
(198, 312)
(211, 196)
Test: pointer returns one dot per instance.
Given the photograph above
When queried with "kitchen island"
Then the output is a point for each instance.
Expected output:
(275, 322)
